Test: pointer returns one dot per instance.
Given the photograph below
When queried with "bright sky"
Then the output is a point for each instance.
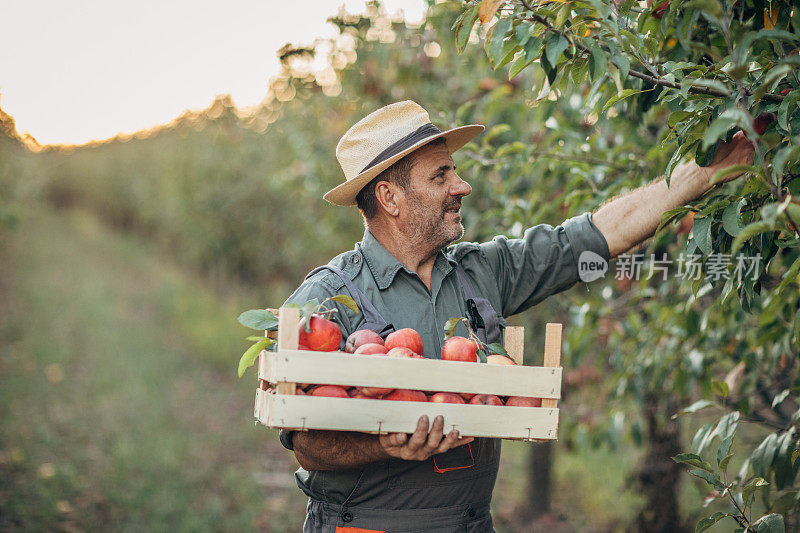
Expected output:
(77, 70)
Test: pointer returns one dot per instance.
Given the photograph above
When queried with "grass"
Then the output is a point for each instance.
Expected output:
(120, 403)
(120, 407)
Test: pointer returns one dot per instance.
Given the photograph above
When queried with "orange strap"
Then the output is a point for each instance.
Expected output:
(442, 470)
(340, 529)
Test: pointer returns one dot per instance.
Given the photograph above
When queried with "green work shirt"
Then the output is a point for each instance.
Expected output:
(513, 274)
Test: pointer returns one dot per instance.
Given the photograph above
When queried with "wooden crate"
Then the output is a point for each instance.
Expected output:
(277, 406)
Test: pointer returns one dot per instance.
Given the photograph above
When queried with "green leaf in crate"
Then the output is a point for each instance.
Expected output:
(496, 347)
(259, 319)
(249, 357)
(450, 327)
(346, 301)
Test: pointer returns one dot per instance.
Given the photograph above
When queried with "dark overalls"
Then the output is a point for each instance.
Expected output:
(450, 492)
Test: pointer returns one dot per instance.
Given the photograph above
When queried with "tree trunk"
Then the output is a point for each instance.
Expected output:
(658, 474)
(538, 493)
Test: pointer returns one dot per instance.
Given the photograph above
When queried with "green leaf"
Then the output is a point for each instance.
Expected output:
(670, 215)
(785, 154)
(696, 406)
(701, 232)
(789, 102)
(750, 488)
(555, 44)
(450, 326)
(705, 156)
(710, 478)
(518, 66)
(703, 438)
(780, 397)
(790, 276)
(496, 347)
(494, 41)
(249, 357)
(728, 119)
(621, 96)
(721, 174)
(751, 230)
(761, 458)
(347, 301)
(694, 460)
(706, 523)
(533, 48)
(260, 319)
(597, 66)
(720, 388)
(481, 355)
(463, 27)
(771, 523)
(731, 218)
(623, 64)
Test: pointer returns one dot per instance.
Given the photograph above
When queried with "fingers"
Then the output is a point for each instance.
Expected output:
(424, 442)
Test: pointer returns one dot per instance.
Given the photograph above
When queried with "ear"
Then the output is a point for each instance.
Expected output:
(389, 196)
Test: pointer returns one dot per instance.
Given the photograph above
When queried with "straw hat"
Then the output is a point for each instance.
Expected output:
(383, 137)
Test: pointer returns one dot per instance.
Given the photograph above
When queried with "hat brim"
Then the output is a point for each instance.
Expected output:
(345, 193)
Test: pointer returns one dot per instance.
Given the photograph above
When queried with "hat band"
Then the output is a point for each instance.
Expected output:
(428, 130)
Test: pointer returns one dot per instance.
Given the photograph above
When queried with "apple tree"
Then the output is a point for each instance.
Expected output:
(634, 89)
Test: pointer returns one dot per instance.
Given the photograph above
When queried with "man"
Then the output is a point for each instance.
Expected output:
(400, 173)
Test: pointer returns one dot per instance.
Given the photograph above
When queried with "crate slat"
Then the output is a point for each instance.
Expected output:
(514, 343)
(382, 416)
(332, 368)
(552, 354)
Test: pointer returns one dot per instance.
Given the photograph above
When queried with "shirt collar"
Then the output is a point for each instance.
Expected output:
(384, 266)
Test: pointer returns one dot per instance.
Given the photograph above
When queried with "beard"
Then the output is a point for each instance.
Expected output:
(435, 229)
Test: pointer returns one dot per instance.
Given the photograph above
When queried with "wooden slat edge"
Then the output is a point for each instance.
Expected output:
(514, 343)
(552, 353)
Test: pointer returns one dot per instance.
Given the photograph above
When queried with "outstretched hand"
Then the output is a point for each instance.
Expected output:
(422, 444)
(739, 151)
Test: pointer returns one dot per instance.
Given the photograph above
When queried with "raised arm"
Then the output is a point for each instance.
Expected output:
(345, 450)
(631, 218)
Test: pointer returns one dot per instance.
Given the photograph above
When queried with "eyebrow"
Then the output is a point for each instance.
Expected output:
(445, 168)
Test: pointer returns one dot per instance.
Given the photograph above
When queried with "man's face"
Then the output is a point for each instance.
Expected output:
(433, 198)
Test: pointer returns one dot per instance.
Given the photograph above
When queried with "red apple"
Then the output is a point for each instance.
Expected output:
(467, 395)
(361, 337)
(446, 397)
(499, 359)
(371, 348)
(406, 395)
(403, 352)
(374, 392)
(486, 399)
(404, 338)
(333, 391)
(762, 121)
(324, 335)
(460, 349)
(524, 401)
(352, 391)
(360, 396)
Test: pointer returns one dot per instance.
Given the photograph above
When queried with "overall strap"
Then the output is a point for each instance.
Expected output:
(373, 319)
(482, 315)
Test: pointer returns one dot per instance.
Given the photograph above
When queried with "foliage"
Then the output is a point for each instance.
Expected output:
(682, 77)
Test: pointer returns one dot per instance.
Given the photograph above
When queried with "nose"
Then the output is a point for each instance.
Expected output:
(460, 187)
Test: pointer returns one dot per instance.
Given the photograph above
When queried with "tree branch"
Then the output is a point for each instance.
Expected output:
(635, 73)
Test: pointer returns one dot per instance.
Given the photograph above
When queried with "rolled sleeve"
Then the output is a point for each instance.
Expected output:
(543, 262)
